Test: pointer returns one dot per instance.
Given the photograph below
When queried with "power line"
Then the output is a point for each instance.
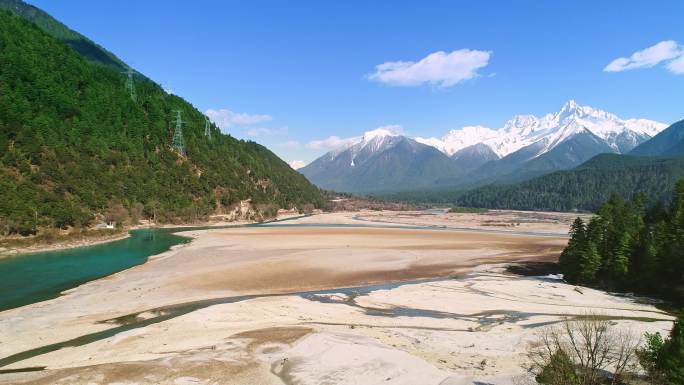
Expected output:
(207, 128)
(130, 86)
(178, 142)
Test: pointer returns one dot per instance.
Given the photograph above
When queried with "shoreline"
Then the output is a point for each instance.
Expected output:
(66, 245)
(12, 252)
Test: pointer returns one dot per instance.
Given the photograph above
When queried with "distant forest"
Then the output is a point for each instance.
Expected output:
(584, 188)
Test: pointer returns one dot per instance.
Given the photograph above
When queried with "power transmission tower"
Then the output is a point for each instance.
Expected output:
(207, 128)
(178, 141)
(130, 86)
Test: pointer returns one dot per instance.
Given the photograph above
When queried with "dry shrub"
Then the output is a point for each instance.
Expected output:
(584, 351)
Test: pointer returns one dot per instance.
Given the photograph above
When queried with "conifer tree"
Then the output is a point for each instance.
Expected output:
(571, 256)
(672, 354)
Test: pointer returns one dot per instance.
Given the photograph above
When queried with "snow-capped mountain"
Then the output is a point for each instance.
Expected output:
(368, 144)
(456, 140)
(526, 146)
(554, 128)
(381, 160)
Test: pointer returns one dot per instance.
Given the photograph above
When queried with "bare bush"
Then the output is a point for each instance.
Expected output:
(116, 213)
(266, 211)
(136, 212)
(308, 209)
(584, 351)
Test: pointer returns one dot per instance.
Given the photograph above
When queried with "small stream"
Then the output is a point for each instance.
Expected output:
(342, 296)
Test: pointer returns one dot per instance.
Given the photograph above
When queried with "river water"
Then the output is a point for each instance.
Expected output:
(25, 279)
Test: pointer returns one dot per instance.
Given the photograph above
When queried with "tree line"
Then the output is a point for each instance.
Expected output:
(584, 188)
(630, 246)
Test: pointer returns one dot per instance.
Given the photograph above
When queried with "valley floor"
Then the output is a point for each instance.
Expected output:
(301, 302)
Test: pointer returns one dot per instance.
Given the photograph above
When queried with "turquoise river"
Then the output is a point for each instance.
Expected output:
(25, 279)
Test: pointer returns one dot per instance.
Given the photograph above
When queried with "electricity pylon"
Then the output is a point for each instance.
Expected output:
(178, 141)
(130, 86)
(207, 128)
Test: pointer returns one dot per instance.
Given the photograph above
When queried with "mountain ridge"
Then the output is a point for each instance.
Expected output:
(379, 161)
(525, 147)
(523, 130)
(83, 45)
(668, 142)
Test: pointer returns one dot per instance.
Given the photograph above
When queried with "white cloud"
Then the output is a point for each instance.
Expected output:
(328, 143)
(225, 118)
(676, 66)
(297, 164)
(439, 68)
(256, 132)
(650, 57)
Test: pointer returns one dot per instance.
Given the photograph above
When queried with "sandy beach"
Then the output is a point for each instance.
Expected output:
(288, 304)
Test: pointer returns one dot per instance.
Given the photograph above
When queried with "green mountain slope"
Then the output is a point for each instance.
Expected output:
(73, 143)
(52, 27)
(585, 187)
(666, 143)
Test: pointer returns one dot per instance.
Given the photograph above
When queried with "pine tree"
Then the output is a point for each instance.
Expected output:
(590, 260)
(571, 257)
(618, 266)
(671, 356)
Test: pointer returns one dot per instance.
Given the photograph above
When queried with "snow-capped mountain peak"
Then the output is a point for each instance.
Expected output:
(378, 133)
(553, 128)
(570, 105)
(455, 140)
(521, 124)
(373, 139)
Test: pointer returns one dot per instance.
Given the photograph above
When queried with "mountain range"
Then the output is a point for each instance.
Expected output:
(652, 168)
(525, 147)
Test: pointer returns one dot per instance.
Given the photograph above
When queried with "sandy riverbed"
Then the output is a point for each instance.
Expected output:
(441, 331)
(491, 221)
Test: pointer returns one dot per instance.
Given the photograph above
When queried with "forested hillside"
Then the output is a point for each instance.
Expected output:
(73, 143)
(586, 187)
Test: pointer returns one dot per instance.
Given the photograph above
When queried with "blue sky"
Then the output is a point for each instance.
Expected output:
(289, 74)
